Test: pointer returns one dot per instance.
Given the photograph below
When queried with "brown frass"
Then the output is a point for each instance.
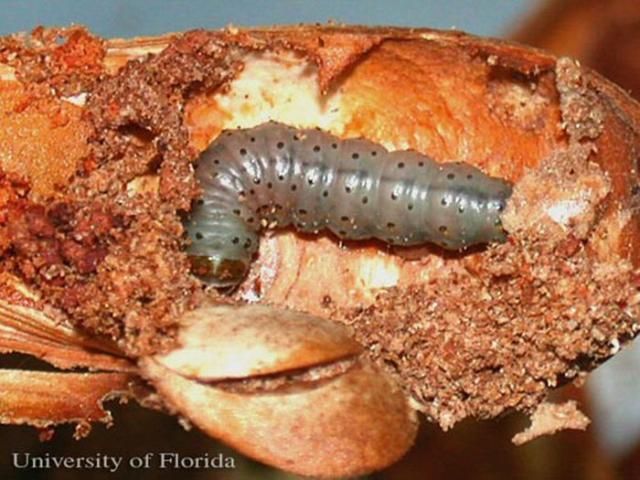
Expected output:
(112, 261)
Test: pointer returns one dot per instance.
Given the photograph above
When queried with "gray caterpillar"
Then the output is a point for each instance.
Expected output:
(276, 175)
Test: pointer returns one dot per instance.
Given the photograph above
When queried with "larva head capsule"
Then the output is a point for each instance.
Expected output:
(217, 271)
(221, 245)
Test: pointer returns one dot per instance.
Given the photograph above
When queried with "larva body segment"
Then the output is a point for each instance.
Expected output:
(276, 175)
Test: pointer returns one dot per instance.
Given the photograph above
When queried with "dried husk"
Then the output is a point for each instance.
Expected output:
(46, 399)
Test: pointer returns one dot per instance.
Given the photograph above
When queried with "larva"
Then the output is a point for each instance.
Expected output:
(276, 175)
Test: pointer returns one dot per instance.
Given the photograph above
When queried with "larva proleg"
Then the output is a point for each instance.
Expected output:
(275, 175)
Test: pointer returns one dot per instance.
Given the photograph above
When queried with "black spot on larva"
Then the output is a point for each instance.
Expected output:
(635, 190)
(235, 240)
(199, 236)
(227, 170)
